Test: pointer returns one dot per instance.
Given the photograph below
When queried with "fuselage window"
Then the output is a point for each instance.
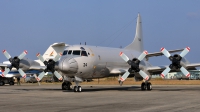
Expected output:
(76, 52)
(83, 53)
(65, 52)
(69, 52)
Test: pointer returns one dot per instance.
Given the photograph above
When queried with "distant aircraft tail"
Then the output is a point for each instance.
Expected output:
(53, 50)
(137, 43)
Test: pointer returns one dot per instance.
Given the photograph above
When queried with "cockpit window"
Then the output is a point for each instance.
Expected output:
(64, 53)
(69, 52)
(83, 53)
(76, 52)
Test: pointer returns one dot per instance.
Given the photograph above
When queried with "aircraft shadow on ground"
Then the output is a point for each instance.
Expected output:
(121, 88)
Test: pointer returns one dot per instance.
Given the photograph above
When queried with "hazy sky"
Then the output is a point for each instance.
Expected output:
(33, 25)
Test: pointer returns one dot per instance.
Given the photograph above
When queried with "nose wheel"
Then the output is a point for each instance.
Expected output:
(146, 86)
(77, 89)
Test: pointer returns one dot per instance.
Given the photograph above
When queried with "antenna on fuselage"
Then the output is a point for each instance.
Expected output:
(85, 43)
(80, 43)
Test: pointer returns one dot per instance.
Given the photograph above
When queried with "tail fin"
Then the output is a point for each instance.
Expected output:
(53, 50)
(137, 43)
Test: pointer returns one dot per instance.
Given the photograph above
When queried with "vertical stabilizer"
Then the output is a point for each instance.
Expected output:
(137, 43)
(53, 50)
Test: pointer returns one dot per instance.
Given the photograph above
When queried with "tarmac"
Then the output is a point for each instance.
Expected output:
(99, 98)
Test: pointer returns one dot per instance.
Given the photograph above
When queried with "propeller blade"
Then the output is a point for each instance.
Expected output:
(185, 72)
(185, 51)
(5, 72)
(22, 73)
(165, 52)
(40, 76)
(40, 57)
(22, 55)
(124, 57)
(165, 72)
(6, 54)
(144, 75)
(141, 57)
(57, 57)
(58, 75)
(123, 78)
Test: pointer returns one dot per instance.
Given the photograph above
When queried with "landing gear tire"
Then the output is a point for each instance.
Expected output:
(66, 86)
(11, 83)
(79, 89)
(1, 83)
(149, 86)
(143, 86)
(75, 89)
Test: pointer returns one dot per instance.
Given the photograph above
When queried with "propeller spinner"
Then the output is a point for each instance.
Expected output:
(50, 66)
(14, 63)
(176, 59)
(134, 66)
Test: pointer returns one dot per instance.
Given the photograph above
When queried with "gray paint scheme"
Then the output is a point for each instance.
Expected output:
(105, 61)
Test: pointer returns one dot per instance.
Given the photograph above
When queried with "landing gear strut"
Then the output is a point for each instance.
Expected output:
(146, 86)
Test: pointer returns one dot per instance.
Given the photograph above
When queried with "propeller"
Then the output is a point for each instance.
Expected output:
(134, 65)
(14, 63)
(50, 66)
(176, 59)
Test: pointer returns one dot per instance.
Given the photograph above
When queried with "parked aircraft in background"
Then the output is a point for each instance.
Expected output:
(80, 62)
(16, 66)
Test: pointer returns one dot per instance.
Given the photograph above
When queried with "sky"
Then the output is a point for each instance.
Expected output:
(33, 25)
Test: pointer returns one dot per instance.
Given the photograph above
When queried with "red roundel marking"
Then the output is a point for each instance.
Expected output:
(145, 52)
(38, 54)
(188, 48)
(120, 53)
(25, 52)
(162, 49)
(4, 51)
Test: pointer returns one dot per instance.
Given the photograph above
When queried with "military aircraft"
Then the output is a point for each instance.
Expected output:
(80, 62)
(16, 66)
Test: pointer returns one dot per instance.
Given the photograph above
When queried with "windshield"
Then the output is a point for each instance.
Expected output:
(83, 53)
(65, 52)
(76, 52)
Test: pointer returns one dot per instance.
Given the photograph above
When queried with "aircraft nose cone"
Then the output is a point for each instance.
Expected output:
(68, 65)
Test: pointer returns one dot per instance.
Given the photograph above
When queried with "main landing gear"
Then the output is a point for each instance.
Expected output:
(66, 85)
(146, 86)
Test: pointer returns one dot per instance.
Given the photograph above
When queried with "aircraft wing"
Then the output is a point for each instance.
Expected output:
(40, 68)
(118, 70)
(160, 53)
(192, 65)
(4, 65)
(159, 69)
